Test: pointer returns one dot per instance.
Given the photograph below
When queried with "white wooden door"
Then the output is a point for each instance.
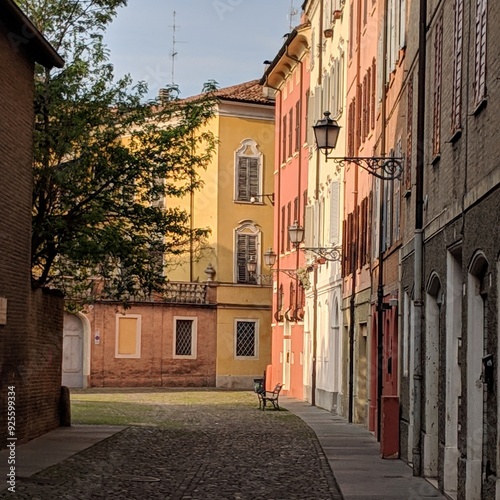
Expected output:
(72, 366)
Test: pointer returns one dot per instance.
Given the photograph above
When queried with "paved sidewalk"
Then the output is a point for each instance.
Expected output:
(353, 454)
(52, 448)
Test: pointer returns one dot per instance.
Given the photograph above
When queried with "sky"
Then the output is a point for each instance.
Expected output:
(222, 40)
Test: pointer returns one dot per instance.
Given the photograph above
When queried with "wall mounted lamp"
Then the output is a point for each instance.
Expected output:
(270, 259)
(326, 133)
(296, 233)
(265, 279)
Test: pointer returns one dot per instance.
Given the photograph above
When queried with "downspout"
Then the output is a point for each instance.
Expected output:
(380, 287)
(316, 196)
(354, 238)
(299, 173)
(418, 241)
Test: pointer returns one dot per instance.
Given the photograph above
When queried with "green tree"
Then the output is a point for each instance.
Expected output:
(103, 161)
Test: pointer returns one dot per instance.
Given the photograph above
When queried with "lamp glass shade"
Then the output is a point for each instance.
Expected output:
(326, 133)
(296, 233)
(251, 265)
(269, 257)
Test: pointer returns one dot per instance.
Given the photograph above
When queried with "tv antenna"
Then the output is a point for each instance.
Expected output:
(293, 13)
(174, 52)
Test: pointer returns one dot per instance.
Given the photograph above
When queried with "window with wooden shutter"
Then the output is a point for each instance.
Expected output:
(297, 126)
(480, 52)
(308, 226)
(438, 51)
(456, 102)
(334, 212)
(246, 248)
(351, 29)
(374, 92)
(288, 224)
(290, 133)
(409, 133)
(283, 141)
(248, 163)
(368, 100)
(248, 178)
(283, 229)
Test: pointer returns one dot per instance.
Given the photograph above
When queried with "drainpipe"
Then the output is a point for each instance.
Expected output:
(418, 241)
(380, 287)
(316, 196)
(352, 303)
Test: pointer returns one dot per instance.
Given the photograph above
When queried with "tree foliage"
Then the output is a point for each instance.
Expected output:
(103, 161)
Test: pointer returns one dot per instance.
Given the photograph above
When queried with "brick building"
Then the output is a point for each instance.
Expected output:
(450, 426)
(30, 321)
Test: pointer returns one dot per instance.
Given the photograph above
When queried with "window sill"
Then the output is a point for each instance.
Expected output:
(435, 160)
(480, 106)
(456, 135)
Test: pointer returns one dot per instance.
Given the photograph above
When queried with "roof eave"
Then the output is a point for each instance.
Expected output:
(41, 50)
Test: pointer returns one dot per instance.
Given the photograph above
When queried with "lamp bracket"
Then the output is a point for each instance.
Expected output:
(260, 197)
(263, 279)
(291, 273)
(327, 253)
(382, 167)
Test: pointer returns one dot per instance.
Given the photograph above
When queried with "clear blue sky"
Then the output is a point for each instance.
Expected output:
(222, 40)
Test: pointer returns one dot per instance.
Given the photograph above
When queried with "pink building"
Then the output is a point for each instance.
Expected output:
(287, 76)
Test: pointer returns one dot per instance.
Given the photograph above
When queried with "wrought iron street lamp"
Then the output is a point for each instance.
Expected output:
(296, 234)
(326, 132)
(252, 270)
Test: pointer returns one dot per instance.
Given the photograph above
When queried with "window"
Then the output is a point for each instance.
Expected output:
(456, 103)
(283, 141)
(334, 212)
(128, 336)
(297, 126)
(289, 223)
(185, 330)
(480, 52)
(247, 236)
(290, 133)
(248, 161)
(373, 93)
(438, 52)
(409, 133)
(284, 230)
(246, 340)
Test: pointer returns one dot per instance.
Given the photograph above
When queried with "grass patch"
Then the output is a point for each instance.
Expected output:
(147, 406)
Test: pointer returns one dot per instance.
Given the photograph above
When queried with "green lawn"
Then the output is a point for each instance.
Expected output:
(148, 406)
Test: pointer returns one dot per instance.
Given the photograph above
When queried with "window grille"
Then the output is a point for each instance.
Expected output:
(184, 337)
(245, 339)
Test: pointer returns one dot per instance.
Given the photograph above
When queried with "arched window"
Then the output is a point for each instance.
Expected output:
(248, 171)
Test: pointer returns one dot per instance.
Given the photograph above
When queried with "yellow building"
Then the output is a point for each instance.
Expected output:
(235, 202)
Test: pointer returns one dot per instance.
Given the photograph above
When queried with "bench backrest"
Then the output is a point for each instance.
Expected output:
(277, 389)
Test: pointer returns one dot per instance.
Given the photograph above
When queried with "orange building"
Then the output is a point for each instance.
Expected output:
(287, 76)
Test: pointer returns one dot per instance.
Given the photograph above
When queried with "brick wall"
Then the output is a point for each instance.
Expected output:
(31, 338)
(156, 366)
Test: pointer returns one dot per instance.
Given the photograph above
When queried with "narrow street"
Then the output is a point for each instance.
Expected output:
(200, 446)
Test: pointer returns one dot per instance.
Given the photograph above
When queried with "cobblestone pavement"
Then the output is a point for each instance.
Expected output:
(208, 452)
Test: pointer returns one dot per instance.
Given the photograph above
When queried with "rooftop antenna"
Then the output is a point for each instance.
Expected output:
(293, 13)
(173, 54)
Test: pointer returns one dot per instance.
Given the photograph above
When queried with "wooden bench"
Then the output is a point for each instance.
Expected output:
(269, 396)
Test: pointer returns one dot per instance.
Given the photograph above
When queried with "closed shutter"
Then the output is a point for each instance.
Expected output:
(456, 114)
(480, 51)
(309, 217)
(248, 178)
(242, 179)
(253, 175)
(438, 51)
(246, 247)
(334, 212)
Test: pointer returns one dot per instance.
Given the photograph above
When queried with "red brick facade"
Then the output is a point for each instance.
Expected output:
(31, 329)
(156, 366)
